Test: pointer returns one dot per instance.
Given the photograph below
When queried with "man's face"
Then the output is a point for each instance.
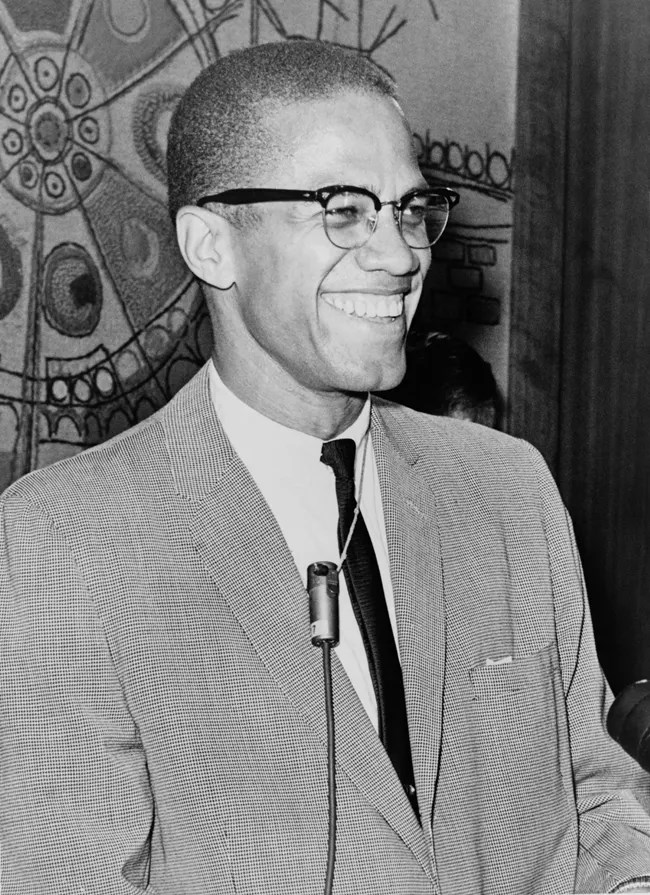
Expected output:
(312, 316)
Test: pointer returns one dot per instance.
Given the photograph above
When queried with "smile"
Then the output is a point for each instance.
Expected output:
(366, 305)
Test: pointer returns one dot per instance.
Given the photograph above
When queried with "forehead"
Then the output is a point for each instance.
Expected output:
(351, 138)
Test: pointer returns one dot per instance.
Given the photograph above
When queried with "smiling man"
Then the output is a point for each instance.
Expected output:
(163, 726)
(313, 310)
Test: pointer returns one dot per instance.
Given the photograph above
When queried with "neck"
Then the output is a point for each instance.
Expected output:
(324, 415)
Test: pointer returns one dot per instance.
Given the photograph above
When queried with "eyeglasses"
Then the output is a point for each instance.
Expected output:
(350, 212)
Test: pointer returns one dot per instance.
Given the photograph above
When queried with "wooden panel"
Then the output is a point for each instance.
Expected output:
(538, 238)
(604, 469)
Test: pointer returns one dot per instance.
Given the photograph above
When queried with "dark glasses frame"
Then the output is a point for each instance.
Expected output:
(252, 195)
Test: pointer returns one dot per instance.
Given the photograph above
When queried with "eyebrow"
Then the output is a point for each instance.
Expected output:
(420, 185)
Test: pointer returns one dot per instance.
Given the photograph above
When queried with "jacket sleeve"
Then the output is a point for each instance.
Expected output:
(76, 810)
(614, 828)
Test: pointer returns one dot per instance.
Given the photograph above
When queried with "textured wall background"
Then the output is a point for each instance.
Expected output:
(99, 322)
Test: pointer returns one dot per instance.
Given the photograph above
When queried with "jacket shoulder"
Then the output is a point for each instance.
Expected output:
(474, 460)
(122, 462)
(428, 434)
(137, 460)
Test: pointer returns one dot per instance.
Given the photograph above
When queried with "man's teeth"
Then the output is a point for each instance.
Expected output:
(388, 306)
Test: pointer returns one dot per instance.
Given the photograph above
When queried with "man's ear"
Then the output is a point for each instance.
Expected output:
(204, 239)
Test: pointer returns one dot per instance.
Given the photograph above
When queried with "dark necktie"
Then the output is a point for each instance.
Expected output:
(367, 597)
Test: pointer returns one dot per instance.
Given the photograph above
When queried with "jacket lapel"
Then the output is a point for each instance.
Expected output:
(240, 544)
(417, 575)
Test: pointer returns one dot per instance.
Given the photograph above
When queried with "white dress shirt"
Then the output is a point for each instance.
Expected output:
(300, 491)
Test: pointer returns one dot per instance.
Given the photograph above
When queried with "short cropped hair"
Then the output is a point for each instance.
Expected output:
(218, 139)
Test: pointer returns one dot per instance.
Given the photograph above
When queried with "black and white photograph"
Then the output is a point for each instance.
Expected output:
(324, 447)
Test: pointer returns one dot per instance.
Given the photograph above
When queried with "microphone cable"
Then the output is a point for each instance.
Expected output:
(323, 589)
(331, 769)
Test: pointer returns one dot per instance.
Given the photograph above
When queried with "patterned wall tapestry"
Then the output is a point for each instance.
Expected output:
(99, 321)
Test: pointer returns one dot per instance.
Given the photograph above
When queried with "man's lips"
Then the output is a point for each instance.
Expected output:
(378, 305)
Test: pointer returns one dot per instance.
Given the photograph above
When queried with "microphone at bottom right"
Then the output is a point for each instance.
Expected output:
(628, 721)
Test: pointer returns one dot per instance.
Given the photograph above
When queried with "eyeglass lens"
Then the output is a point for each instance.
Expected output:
(350, 219)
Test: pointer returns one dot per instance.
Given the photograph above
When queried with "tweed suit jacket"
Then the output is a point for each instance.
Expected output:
(162, 724)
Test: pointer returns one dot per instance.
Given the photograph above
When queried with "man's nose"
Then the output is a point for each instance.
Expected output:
(386, 248)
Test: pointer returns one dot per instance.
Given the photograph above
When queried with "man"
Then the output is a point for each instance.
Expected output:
(163, 723)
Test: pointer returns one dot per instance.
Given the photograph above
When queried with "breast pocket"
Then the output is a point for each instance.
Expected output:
(522, 762)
